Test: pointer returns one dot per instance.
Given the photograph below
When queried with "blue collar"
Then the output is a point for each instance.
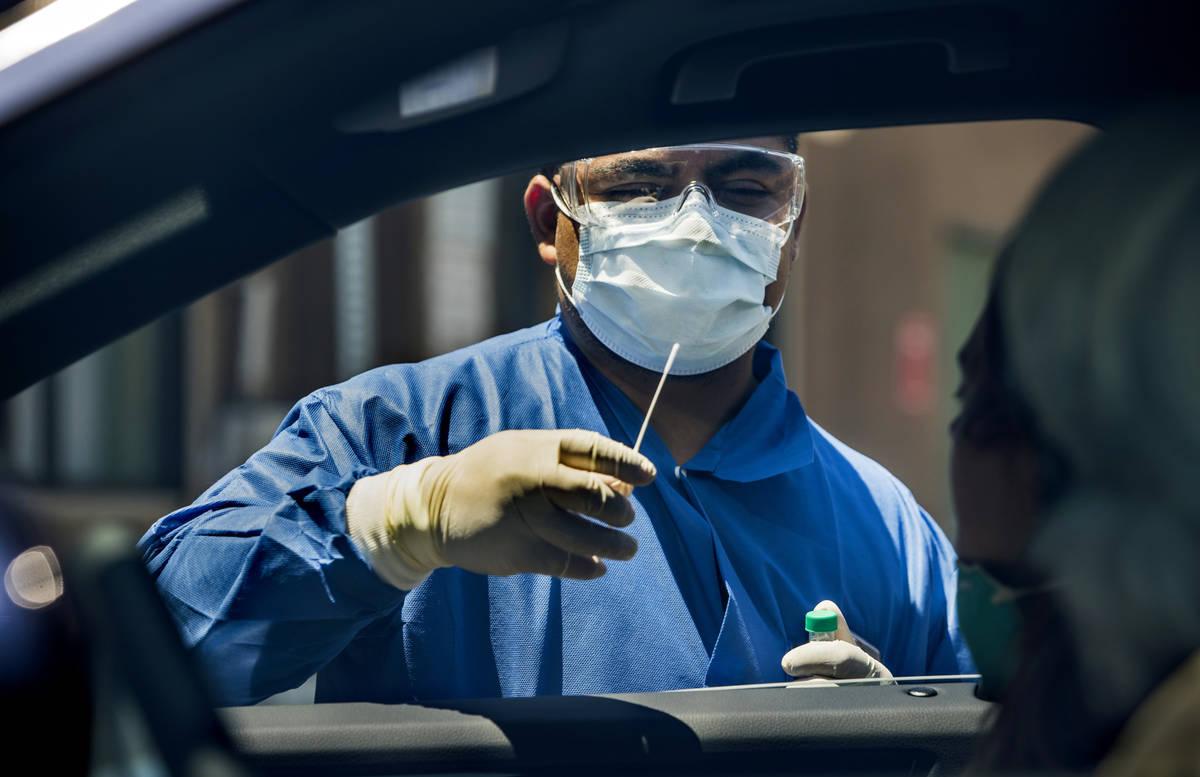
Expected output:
(769, 435)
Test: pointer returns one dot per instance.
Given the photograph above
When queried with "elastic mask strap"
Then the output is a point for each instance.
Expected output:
(1004, 593)
(779, 304)
(562, 286)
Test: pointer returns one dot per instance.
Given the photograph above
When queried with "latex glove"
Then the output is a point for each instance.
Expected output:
(840, 659)
(510, 503)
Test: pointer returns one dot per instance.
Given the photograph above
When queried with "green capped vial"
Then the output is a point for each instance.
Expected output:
(821, 625)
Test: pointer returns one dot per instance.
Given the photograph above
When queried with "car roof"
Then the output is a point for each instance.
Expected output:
(164, 152)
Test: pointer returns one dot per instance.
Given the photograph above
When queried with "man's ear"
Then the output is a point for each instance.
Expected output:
(542, 213)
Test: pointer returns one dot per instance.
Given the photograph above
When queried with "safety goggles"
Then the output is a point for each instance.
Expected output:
(635, 187)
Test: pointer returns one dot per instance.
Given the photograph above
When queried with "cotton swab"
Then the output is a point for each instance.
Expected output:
(654, 401)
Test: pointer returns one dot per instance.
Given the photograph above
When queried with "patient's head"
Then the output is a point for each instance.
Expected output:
(1085, 368)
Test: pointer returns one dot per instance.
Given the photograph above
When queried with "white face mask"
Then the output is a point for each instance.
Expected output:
(695, 278)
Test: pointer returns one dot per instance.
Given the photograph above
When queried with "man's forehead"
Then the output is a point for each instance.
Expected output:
(773, 142)
(770, 142)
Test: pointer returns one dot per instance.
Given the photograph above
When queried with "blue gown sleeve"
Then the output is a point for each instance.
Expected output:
(948, 652)
(259, 573)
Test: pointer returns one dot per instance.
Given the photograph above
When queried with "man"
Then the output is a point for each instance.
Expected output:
(418, 531)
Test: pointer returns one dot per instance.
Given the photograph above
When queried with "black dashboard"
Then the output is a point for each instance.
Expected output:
(908, 728)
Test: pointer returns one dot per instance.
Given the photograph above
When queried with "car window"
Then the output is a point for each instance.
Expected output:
(896, 244)
(900, 229)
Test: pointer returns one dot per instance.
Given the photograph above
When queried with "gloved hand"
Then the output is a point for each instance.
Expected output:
(508, 504)
(839, 659)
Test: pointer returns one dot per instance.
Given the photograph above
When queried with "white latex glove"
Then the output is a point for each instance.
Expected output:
(508, 504)
(840, 659)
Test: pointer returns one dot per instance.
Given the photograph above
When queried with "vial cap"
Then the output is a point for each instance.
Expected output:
(821, 621)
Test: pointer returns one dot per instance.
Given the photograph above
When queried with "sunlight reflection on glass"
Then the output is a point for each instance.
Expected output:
(34, 578)
(51, 24)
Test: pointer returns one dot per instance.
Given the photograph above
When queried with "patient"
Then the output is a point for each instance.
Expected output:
(1076, 465)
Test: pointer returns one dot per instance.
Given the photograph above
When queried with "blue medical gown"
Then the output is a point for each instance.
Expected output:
(268, 588)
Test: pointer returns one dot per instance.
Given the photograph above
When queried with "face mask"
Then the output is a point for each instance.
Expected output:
(991, 624)
(684, 271)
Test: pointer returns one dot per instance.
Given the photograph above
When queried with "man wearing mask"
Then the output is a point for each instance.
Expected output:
(418, 532)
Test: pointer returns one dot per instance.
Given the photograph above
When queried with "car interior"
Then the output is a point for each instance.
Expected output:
(169, 149)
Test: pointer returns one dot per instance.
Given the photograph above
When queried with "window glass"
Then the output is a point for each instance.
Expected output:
(896, 244)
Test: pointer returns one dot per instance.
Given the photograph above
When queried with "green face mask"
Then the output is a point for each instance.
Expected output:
(991, 624)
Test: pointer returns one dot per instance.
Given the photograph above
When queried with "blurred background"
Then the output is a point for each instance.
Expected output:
(898, 240)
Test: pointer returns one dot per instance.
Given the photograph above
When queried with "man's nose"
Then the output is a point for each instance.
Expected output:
(695, 188)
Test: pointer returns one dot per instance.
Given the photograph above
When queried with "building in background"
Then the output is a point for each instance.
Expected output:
(901, 228)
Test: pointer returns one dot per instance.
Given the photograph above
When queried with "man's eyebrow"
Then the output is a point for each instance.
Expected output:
(745, 160)
(630, 167)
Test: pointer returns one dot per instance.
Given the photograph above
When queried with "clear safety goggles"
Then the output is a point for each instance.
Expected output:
(630, 187)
